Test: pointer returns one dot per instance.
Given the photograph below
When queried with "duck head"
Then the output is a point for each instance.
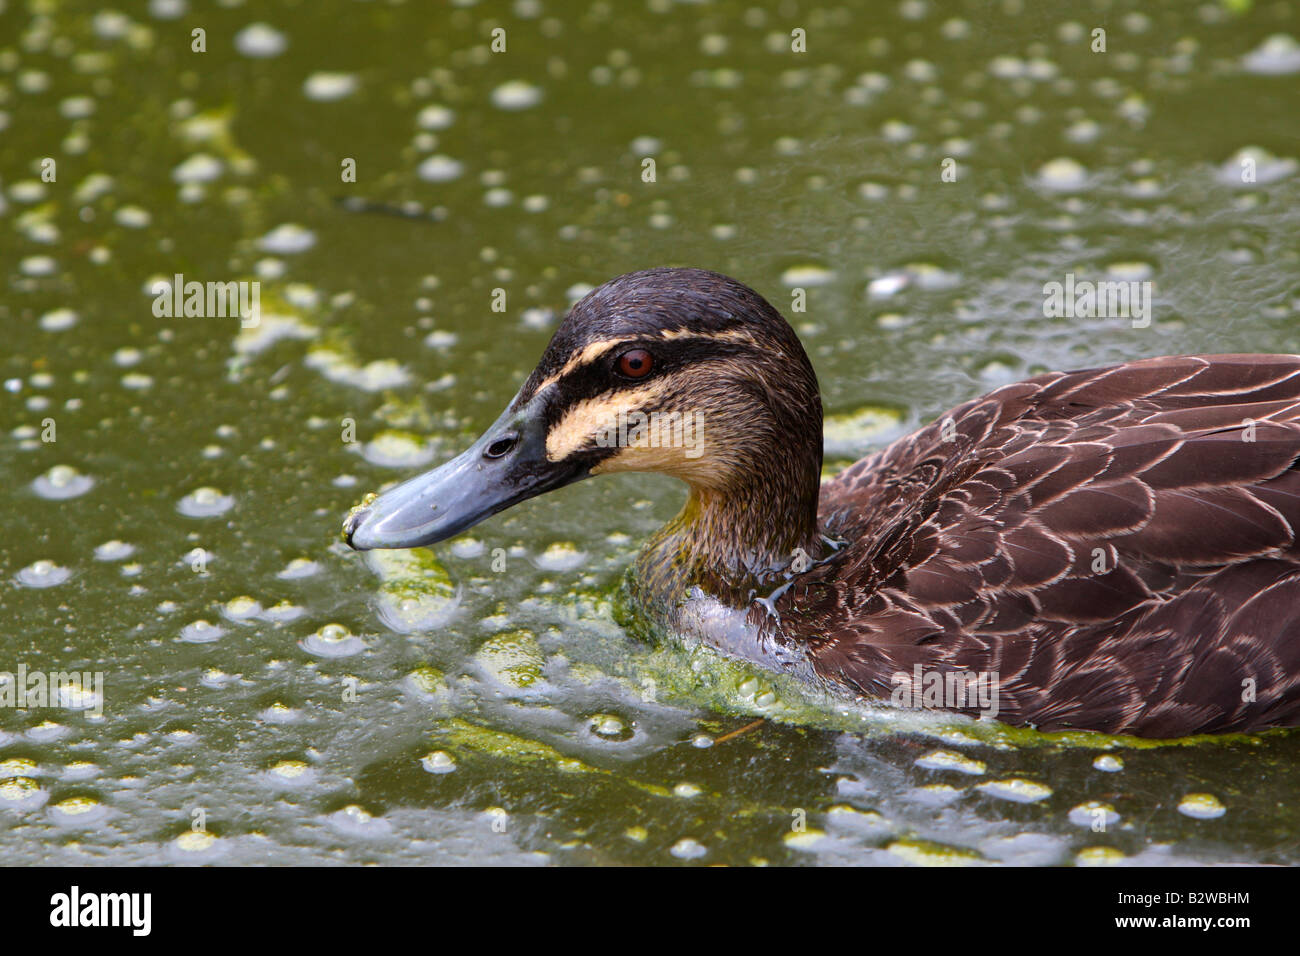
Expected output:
(679, 371)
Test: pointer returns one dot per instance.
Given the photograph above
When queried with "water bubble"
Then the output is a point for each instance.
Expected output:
(199, 168)
(111, 25)
(947, 760)
(609, 727)
(1007, 67)
(62, 481)
(1062, 175)
(299, 568)
(1091, 813)
(1267, 167)
(807, 274)
(280, 714)
(886, 286)
(283, 612)
(42, 574)
(22, 793)
(561, 556)
(332, 640)
(516, 95)
(438, 762)
(688, 849)
(1201, 806)
(214, 678)
(440, 169)
(441, 339)
(78, 812)
(47, 731)
(326, 87)
(1099, 856)
(260, 40)
(59, 320)
(466, 548)
(435, 117)
(37, 266)
(806, 840)
(27, 191)
(373, 377)
(293, 773)
(201, 632)
(1015, 790)
(241, 608)
(1277, 55)
(72, 695)
(287, 239)
(205, 503)
(132, 217)
(355, 821)
(196, 844)
(168, 9)
(922, 853)
(1108, 764)
(390, 449)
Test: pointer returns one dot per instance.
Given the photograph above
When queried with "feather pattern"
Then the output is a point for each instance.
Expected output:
(1117, 545)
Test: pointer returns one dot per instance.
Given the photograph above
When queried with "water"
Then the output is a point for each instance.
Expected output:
(173, 486)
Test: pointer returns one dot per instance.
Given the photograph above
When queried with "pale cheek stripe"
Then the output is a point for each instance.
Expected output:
(581, 423)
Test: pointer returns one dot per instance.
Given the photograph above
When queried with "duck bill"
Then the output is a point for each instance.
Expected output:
(466, 490)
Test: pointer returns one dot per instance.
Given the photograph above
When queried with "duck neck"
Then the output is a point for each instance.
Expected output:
(735, 544)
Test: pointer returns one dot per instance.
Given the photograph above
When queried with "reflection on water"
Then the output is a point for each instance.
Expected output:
(418, 210)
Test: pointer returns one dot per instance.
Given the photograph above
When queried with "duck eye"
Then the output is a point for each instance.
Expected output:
(636, 363)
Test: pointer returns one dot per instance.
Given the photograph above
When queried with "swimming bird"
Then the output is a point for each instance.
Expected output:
(1114, 548)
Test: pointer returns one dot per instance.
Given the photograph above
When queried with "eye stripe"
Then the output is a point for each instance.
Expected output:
(594, 351)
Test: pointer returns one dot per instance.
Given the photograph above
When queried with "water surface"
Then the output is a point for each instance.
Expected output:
(272, 697)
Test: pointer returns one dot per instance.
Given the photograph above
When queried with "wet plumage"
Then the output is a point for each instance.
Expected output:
(1116, 545)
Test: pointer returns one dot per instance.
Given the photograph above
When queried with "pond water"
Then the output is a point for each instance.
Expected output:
(172, 486)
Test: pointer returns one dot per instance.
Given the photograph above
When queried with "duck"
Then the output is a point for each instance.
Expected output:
(1109, 549)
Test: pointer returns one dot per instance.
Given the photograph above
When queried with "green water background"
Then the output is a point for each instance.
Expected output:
(273, 697)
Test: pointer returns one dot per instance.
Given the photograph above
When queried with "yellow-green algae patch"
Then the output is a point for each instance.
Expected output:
(427, 680)
(458, 736)
(848, 433)
(415, 591)
(514, 658)
(705, 677)
(416, 594)
(925, 853)
(212, 129)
